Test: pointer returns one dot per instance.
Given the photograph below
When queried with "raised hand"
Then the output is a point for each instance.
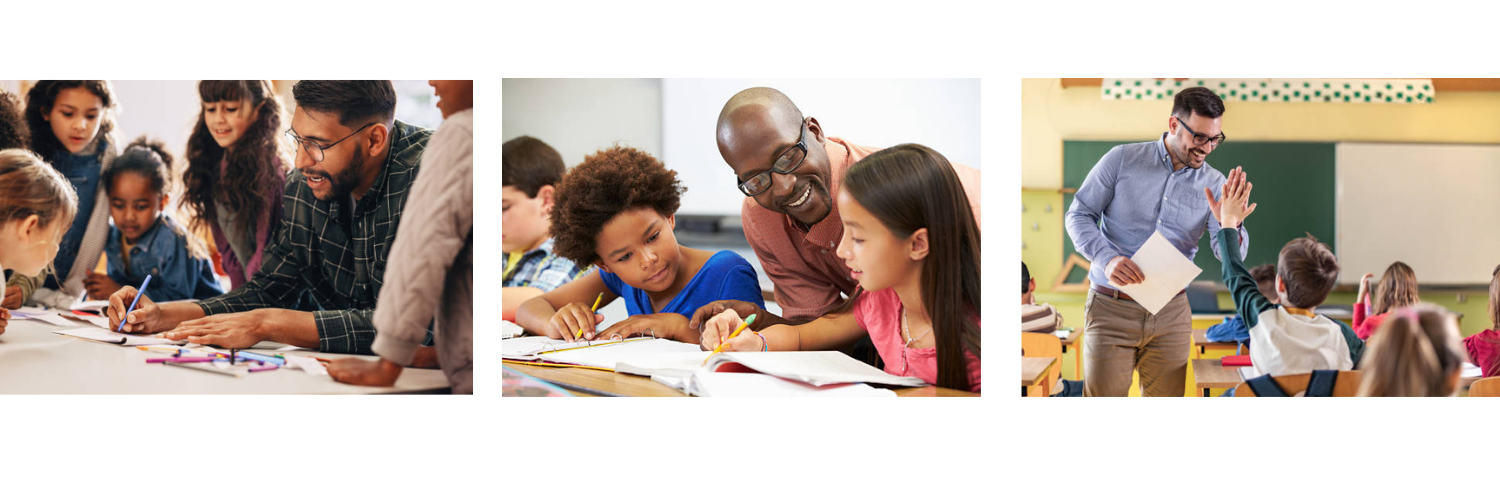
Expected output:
(1233, 206)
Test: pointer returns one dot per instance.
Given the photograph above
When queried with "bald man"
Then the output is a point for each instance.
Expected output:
(790, 173)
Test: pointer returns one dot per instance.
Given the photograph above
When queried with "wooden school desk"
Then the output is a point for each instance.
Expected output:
(1075, 340)
(1034, 372)
(1212, 374)
(589, 382)
(33, 360)
(1201, 345)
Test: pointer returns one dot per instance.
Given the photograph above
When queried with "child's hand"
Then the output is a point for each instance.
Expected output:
(4, 320)
(100, 286)
(663, 326)
(1234, 206)
(717, 329)
(566, 322)
(1364, 287)
(12, 298)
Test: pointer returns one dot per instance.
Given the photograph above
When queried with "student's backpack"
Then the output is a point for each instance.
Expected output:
(1319, 385)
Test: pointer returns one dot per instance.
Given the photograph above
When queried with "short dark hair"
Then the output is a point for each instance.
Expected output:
(1308, 269)
(145, 157)
(607, 184)
(529, 164)
(1265, 278)
(354, 101)
(13, 130)
(1025, 278)
(1198, 101)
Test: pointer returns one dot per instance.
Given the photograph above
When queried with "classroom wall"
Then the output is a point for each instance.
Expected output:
(578, 116)
(1051, 114)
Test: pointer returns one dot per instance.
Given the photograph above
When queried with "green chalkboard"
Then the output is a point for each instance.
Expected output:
(1294, 187)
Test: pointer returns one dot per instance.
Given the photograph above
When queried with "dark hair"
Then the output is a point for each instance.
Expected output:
(1265, 278)
(1308, 269)
(606, 184)
(910, 187)
(528, 164)
(1025, 278)
(145, 157)
(1197, 101)
(354, 101)
(39, 103)
(13, 130)
(1397, 289)
(251, 176)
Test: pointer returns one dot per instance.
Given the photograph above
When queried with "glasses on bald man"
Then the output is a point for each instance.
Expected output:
(786, 163)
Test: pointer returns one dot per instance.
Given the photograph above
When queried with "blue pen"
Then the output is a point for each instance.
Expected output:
(137, 300)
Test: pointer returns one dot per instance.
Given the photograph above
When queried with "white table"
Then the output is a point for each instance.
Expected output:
(33, 360)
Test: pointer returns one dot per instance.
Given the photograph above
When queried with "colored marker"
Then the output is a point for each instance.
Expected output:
(261, 358)
(133, 303)
(182, 359)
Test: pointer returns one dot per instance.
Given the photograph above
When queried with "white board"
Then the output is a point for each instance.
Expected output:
(1431, 206)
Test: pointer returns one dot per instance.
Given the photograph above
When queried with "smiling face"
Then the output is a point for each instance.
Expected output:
(342, 170)
(134, 205)
(876, 257)
(227, 121)
(638, 245)
(453, 95)
(1180, 140)
(75, 117)
(756, 136)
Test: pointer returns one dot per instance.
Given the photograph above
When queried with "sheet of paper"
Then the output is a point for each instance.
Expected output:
(309, 365)
(293, 348)
(527, 348)
(93, 319)
(1062, 334)
(1167, 273)
(608, 355)
(510, 330)
(104, 335)
(814, 367)
(91, 305)
(50, 318)
(28, 312)
(1472, 370)
(759, 385)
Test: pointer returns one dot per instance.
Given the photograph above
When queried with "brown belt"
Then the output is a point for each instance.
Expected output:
(1104, 290)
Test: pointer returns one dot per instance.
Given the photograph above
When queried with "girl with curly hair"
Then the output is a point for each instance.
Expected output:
(617, 211)
(236, 171)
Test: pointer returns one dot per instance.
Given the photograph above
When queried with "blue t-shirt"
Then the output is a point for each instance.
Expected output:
(726, 276)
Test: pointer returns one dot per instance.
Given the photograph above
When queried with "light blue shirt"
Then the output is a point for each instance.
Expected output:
(1133, 192)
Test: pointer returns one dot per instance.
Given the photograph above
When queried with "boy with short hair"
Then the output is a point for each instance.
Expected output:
(529, 173)
(1234, 329)
(1285, 338)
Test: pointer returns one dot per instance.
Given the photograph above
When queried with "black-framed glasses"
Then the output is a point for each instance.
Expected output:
(1200, 139)
(315, 150)
(786, 163)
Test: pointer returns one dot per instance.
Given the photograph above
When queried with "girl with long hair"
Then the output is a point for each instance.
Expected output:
(1397, 289)
(1416, 354)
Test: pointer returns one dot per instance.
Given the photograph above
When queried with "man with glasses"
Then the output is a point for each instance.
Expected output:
(1113, 214)
(790, 172)
(355, 165)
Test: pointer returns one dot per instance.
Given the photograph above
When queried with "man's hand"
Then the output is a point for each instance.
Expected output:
(1123, 271)
(1233, 208)
(711, 309)
(231, 331)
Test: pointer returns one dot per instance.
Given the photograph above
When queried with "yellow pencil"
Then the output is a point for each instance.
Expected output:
(595, 309)
(736, 333)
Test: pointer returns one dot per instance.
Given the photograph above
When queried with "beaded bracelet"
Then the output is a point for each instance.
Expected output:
(764, 346)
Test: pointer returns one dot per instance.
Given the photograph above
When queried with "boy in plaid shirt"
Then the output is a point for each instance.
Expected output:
(529, 173)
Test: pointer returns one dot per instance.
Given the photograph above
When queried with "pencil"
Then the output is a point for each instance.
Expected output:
(579, 335)
(736, 333)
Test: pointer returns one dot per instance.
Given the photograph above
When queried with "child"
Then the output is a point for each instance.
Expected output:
(616, 210)
(1416, 354)
(71, 123)
(236, 171)
(144, 240)
(14, 135)
(1484, 347)
(529, 173)
(1234, 329)
(1285, 338)
(36, 206)
(1040, 318)
(911, 240)
(1398, 288)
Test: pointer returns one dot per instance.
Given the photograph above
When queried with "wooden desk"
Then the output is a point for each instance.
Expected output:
(588, 382)
(1202, 345)
(1212, 374)
(1036, 371)
(1075, 340)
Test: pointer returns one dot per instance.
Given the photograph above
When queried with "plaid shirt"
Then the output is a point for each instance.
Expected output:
(339, 258)
(543, 270)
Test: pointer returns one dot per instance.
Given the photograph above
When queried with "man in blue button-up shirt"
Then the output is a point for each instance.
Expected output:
(1136, 190)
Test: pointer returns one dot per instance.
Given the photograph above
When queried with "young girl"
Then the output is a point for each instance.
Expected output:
(36, 206)
(71, 123)
(14, 135)
(144, 240)
(236, 171)
(1398, 288)
(912, 243)
(1416, 354)
(616, 210)
(1484, 347)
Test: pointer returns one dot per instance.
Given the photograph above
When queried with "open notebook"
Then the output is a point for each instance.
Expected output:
(527, 348)
(816, 368)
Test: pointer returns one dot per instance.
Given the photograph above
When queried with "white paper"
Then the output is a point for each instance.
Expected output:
(93, 319)
(510, 330)
(309, 365)
(293, 348)
(1167, 273)
(527, 348)
(51, 318)
(1472, 370)
(89, 305)
(104, 335)
(607, 356)
(759, 385)
(814, 367)
(1062, 334)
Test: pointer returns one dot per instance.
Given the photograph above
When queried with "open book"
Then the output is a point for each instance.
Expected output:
(821, 373)
(527, 348)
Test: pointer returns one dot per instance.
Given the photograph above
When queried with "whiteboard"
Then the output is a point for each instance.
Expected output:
(1431, 206)
(940, 113)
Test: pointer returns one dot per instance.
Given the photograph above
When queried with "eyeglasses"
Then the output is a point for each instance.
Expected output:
(315, 150)
(786, 163)
(1200, 139)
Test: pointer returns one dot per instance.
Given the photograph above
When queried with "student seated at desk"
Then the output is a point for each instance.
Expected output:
(1484, 347)
(1398, 289)
(1416, 353)
(1285, 338)
(617, 210)
(1234, 329)
(37, 205)
(529, 173)
(1039, 318)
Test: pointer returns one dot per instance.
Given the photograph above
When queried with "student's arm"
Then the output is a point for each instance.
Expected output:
(559, 313)
(1214, 227)
(822, 334)
(18, 289)
(1230, 209)
(512, 297)
(1362, 300)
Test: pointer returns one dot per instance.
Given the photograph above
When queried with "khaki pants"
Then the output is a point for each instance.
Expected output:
(1122, 337)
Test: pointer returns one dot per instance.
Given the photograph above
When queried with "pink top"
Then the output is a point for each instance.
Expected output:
(879, 313)
(802, 262)
(1366, 325)
(1484, 350)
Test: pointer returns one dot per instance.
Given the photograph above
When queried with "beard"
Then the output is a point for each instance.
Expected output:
(339, 186)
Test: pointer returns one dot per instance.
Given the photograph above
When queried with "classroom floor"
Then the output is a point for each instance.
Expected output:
(1070, 372)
